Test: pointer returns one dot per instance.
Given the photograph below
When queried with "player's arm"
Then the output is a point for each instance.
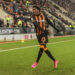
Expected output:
(50, 23)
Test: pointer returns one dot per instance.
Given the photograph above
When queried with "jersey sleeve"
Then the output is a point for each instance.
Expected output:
(51, 24)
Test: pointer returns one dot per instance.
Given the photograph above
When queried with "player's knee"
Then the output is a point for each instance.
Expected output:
(41, 50)
(45, 49)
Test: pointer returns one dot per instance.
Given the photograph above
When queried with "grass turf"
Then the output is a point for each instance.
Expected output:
(18, 62)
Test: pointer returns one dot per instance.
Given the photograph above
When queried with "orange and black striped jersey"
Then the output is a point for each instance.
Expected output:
(39, 22)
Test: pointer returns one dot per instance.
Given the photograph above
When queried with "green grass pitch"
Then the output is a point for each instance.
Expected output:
(19, 61)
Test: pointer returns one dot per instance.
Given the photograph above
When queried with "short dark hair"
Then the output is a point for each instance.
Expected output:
(36, 7)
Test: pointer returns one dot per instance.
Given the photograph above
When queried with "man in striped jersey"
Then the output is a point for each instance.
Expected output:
(39, 19)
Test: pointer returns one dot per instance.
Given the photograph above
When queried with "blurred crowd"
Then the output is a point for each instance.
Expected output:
(20, 11)
(68, 5)
(61, 15)
(54, 10)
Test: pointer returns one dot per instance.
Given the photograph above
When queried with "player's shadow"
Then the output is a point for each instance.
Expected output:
(44, 72)
(50, 71)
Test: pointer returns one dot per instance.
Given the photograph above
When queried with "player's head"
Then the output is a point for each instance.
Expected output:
(36, 10)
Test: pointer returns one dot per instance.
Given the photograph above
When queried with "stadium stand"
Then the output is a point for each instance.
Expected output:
(68, 5)
(17, 9)
(61, 12)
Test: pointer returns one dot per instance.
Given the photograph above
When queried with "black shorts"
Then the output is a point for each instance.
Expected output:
(42, 39)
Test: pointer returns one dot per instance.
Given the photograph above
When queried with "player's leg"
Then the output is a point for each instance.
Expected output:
(39, 54)
(48, 53)
(38, 58)
(41, 49)
(44, 40)
(50, 56)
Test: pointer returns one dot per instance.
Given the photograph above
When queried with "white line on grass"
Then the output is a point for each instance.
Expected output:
(33, 46)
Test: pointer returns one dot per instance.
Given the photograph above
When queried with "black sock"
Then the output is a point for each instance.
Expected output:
(39, 54)
(50, 55)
